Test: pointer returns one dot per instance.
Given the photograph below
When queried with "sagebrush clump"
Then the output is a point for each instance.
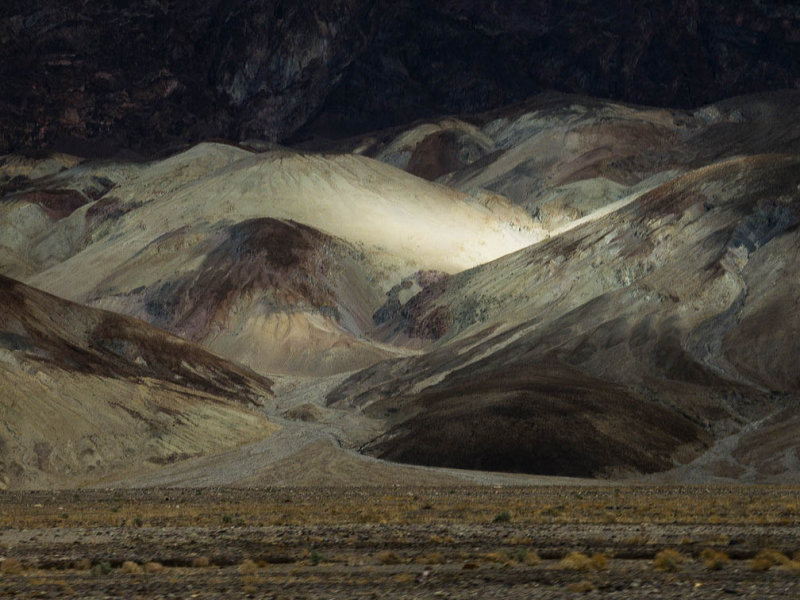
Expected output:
(131, 568)
(578, 561)
(11, 566)
(768, 558)
(575, 561)
(527, 557)
(101, 569)
(248, 567)
(153, 567)
(581, 587)
(387, 557)
(503, 517)
(201, 562)
(669, 560)
(714, 560)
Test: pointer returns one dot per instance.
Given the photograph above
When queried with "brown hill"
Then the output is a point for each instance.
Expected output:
(561, 157)
(543, 418)
(87, 394)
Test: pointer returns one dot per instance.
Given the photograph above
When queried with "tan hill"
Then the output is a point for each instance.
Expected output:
(611, 290)
(87, 394)
(561, 157)
(675, 313)
(277, 260)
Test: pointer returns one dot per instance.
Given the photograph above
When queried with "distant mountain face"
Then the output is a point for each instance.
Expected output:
(149, 75)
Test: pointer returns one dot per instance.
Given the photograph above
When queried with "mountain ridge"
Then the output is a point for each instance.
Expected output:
(99, 78)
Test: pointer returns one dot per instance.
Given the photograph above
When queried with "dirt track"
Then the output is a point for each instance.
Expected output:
(396, 543)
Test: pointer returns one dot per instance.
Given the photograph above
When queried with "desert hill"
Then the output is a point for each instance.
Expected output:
(276, 259)
(561, 157)
(586, 288)
(87, 394)
(686, 295)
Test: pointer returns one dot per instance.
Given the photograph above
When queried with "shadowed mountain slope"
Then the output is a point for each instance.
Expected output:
(686, 296)
(103, 75)
(540, 418)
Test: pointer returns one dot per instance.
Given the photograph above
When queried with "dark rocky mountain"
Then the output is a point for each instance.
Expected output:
(153, 74)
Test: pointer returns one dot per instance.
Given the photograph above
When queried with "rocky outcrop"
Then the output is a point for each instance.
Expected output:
(150, 75)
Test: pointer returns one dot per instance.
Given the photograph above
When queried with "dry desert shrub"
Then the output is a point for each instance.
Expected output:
(153, 567)
(102, 569)
(581, 587)
(520, 541)
(83, 564)
(388, 557)
(528, 557)
(598, 562)
(768, 558)
(309, 413)
(248, 567)
(404, 578)
(503, 517)
(668, 560)
(131, 568)
(437, 539)
(578, 561)
(495, 557)
(430, 558)
(575, 561)
(760, 564)
(792, 565)
(714, 560)
(201, 562)
(11, 566)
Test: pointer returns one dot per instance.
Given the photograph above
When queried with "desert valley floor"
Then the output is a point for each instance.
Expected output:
(403, 542)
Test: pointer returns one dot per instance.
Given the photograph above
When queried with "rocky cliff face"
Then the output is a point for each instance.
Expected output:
(150, 74)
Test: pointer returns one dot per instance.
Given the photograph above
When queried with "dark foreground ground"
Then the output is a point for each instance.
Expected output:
(402, 543)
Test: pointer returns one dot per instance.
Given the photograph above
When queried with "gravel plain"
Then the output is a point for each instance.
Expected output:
(395, 542)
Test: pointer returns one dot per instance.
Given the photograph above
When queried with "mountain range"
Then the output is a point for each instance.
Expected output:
(103, 77)
(566, 286)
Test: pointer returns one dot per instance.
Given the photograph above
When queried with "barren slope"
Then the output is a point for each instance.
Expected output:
(86, 394)
(561, 157)
(277, 260)
(655, 325)
(687, 296)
